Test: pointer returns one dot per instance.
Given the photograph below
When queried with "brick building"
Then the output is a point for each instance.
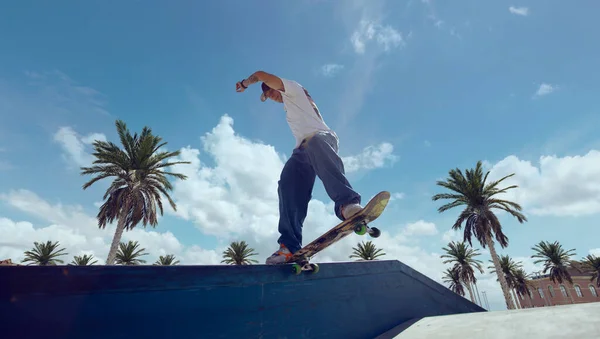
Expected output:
(7, 262)
(544, 292)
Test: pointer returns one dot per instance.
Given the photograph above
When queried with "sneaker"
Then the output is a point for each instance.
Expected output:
(280, 256)
(350, 210)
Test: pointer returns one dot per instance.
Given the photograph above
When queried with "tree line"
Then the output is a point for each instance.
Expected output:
(128, 253)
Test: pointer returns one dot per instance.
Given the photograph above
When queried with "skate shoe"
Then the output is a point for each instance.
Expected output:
(350, 210)
(280, 256)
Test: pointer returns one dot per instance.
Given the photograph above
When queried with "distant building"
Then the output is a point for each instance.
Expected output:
(7, 262)
(544, 292)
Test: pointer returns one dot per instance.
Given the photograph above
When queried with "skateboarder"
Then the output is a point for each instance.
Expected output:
(314, 154)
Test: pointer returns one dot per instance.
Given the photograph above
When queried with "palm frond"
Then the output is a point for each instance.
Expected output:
(366, 251)
(239, 253)
(130, 254)
(44, 254)
(555, 259)
(452, 278)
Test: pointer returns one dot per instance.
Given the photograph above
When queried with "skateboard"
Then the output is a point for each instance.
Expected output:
(358, 224)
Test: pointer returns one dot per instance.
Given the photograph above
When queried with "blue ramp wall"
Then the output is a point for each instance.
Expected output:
(344, 300)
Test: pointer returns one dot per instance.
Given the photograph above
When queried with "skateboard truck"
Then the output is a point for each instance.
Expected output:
(363, 228)
(304, 265)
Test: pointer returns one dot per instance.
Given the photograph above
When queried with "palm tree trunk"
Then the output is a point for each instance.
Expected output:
(114, 246)
(499, 272)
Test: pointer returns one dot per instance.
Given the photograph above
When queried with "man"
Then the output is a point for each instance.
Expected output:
(315, 154)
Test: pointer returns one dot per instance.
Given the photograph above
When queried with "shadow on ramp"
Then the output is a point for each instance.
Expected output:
(344, 300)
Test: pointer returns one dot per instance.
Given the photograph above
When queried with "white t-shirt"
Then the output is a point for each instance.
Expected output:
(302, 114)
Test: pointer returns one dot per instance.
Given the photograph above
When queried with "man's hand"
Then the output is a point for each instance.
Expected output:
(239, 87)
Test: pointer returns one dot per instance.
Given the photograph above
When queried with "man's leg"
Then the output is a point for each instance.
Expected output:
(295, 191)
(322, 151)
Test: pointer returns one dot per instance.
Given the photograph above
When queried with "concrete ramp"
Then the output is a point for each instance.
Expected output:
(344, 300)
(557, 322)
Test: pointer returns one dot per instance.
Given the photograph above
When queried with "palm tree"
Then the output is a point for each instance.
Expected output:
(139, 181)
(84, 260)
(508, 267)
(556, 260)
(591, 264)
(129, 254)
(464, 261)
(238, 253)
(479, 200)
(522, 284)
(44, 254)
(452, 277)
(167, 260)
(366, 251)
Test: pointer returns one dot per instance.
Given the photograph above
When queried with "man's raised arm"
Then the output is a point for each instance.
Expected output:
(271, 80)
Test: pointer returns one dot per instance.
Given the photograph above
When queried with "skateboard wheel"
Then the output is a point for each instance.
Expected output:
(360, 230)
(315, 268)
(375, 232)
(297, 269)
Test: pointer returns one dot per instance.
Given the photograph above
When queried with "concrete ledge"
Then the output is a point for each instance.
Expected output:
(344, 300)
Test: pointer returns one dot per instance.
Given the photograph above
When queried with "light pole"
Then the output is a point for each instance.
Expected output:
(487, 306)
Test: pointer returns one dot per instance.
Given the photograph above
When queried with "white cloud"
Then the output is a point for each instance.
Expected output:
(330, 70)
(385, 36)
(420, 227)
(397, 196)
(560, 186)
(20, 236)
(545, 89)
(452, 235)
(74, 145)
(78, 233)
(370, 158)
(523, 11)
(595, 251)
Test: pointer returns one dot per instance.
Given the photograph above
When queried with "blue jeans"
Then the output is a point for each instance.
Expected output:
(315, 157)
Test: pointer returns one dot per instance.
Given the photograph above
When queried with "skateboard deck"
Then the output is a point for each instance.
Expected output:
(358, 224)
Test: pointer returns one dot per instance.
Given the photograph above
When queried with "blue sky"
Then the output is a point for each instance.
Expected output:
(412, 88)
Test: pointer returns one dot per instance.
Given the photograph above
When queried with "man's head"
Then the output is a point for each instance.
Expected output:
(269, 93)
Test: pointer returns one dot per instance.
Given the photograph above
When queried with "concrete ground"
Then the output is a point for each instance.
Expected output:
(581, 321)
